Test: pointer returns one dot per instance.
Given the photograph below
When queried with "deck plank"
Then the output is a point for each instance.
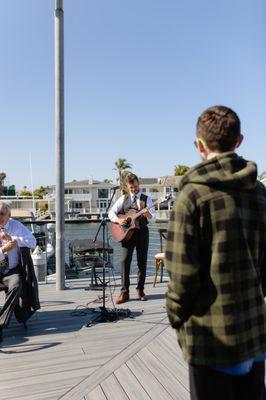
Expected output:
(130, 384)
(57, 357)
(147, 380)
(164, 375)
(112, 389)
(170, 361)
(96, 394)
(103, 372)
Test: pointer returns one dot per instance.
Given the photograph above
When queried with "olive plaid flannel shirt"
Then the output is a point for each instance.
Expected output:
(216, 259)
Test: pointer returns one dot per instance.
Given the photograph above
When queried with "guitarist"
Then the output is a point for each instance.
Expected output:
(140, 238)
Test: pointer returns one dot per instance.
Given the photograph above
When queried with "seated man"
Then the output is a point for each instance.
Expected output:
(13, 235)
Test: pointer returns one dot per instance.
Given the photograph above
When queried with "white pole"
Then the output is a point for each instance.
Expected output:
(31, 179)
(59, 133)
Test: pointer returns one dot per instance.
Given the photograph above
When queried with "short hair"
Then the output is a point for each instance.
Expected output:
(130, 178)
(219, 127)
(5, 206)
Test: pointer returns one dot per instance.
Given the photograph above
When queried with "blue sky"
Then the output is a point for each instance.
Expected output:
(137, 75)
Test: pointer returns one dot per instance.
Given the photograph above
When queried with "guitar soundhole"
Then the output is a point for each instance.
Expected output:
(128, 221)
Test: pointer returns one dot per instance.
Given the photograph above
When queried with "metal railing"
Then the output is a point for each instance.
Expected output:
(86, 230)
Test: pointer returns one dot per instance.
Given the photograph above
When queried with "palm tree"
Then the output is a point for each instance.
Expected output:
(2, 187)
(180, 170)
(122, 167)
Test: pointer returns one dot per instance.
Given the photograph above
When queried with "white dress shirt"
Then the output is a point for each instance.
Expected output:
(118, 206)
(23, 237)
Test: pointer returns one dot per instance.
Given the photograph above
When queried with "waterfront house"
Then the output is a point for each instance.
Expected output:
(88, 196)
(91, 197)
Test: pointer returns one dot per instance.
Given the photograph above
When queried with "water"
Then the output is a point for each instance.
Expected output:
(88, 231)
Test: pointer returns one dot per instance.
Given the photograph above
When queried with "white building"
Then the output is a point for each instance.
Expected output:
(86, 197)
(91, 197)
(24, 206)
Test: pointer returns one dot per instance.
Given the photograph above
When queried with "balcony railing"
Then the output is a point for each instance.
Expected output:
(78, 197)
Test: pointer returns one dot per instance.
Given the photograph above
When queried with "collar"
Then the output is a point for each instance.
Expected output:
(132, 195)
(6, 226)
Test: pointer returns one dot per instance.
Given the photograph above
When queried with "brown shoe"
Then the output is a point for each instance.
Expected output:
(122, 298)
(142, 296)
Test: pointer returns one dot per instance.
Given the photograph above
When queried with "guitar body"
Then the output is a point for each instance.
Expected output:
(121, 233)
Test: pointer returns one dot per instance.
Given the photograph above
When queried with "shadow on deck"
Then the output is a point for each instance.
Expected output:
(58, 357)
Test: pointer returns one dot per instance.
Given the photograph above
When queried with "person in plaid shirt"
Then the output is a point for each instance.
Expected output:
(216, 259)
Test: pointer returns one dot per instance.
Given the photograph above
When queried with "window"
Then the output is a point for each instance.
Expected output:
(176, 190)
(77, 191)
(77, 205)
(154, 190)
(102, 204)
(68, 191)
(103, 193)
(143, 190)
(168, 190)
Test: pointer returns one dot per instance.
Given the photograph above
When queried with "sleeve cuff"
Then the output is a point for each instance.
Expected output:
(2, 256)
(17, 239)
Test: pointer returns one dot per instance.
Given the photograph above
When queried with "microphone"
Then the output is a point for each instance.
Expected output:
(116, 187)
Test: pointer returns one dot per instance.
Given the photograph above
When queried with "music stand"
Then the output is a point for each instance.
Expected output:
(104, 314)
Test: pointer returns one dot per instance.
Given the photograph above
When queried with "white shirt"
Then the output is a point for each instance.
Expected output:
(24, 238)
(118, 206)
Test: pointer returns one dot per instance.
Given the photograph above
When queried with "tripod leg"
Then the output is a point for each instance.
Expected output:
(92, 276)
(95, 276)
(93, 320)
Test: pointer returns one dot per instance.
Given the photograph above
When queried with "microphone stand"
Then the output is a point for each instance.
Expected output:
(104, 315)
(103, 225)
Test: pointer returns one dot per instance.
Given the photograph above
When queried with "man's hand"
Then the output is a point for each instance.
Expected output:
(122, 221)
(9, 246)
(5, 236)
(147, 214)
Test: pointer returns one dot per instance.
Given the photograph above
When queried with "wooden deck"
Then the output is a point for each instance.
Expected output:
(58, 357)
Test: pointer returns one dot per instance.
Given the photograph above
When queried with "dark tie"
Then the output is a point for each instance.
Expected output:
(134, 203)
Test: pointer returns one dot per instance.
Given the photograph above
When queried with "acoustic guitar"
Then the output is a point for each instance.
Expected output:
(121, 233)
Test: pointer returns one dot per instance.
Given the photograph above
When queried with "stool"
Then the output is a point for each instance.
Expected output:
(158, 263)
(159, 257)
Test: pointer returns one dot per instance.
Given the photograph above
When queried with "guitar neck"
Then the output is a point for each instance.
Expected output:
(138, 214)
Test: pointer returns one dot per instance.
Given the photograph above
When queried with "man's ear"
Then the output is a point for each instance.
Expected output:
(239, 140)
(201, 147)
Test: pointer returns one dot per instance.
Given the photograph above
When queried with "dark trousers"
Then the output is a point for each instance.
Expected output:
(208, 384)
(12, 281)
(140, 241)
